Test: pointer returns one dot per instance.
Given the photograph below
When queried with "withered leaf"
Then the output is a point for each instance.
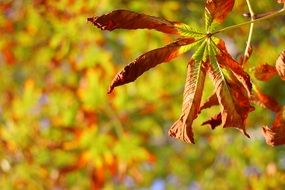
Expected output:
(275, 135)
(149, 60)
(280, 65)
(265, 72)
(124, 19)
(219, 9)
(182, 128)
(226, 61)
(265, 100)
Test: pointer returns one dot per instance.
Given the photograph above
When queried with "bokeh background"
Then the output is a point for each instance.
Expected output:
(60, 130)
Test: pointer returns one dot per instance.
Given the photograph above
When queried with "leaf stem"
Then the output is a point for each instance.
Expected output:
(276, 13)
(250, 31)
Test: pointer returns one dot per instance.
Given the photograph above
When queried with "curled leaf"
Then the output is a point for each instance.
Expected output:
(280, 65)
(219, 9)
(275, 135)
(265, 72)
(149, 60)
(226, 61)
(182, 128)
(124, 19)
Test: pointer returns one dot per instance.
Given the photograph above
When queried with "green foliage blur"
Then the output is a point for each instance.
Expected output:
(60, 130)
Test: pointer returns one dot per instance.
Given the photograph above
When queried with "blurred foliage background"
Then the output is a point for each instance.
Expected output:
(60, 130)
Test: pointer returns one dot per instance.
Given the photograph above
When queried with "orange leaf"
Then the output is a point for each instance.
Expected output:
(219, 9)
(182, 128)
(280, 65)
(124, 19)
(226, 61)
(266, 101)
(265, 72)
(275, 135)
(149, 60)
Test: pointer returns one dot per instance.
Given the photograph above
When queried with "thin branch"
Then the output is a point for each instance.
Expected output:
(250, 31)
(276, 13)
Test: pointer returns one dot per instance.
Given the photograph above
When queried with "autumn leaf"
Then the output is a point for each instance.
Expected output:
(124, 19)
(275, 135)
(280, 65)
(182, 128)
(149, 60)
(231, 95)
(265, 101)
(226, 61)
(219, 9)
(265, 72)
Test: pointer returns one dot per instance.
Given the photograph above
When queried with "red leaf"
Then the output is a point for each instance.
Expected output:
(275, 135)
(124, 19)
(182, 128)
(219, 9)
(280, 65)
(226, 61)
(265, 72)
(149, 60)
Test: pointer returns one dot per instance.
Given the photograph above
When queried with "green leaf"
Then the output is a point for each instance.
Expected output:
(198, 56)
(186, 30)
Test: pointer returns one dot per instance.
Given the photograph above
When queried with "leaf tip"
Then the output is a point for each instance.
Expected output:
(110, 89)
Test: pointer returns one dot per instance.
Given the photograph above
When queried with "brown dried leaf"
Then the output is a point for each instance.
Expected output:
(280, 65)
(275, 135)
(182, 128)
(149, 60)
(265, 72)
(219, 9)
(226, 61)
(124, 19)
